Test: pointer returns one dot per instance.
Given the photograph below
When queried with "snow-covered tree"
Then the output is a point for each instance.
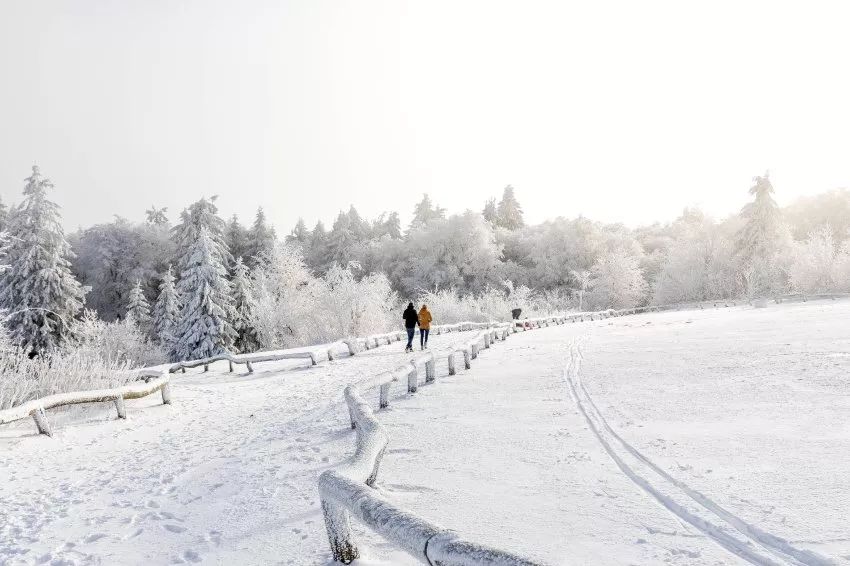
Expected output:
(262, 239)
(582, 280)
(204, 327)
(238, 238)
(616, 282)
(490, 213)
(243, 308)
(200, 215)
(156, 216)
(300, 235)
(138, 308)
(4, 215)
(758, 238)
(812, 264)
(166, 310)
(425, 212)
(509, 212)
(39, 291)
(317, 255)
(341, 240)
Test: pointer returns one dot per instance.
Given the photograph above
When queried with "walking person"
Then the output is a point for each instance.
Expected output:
(424, 326)
(411, 319)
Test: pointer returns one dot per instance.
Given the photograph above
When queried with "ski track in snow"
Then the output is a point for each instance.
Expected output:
(748, 542)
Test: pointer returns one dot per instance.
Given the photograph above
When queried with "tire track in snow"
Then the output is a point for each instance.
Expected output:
(744, 540)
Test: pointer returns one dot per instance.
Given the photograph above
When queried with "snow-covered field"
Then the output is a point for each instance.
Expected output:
(747, 407)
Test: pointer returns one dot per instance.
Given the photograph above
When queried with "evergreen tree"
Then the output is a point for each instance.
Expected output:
(4, 215)
(39, 290)
(392, 226)
(317, 257)
(243, 306)
(758, 239)
(238, 238)
(489, 212)
(359, 228)
(166, 310)
(509, 212)
(138, 308)
(204, 327)
(300, 235)
(200, 215)
(341, 240)
(156, 216)
(425, 212)
(262, 239)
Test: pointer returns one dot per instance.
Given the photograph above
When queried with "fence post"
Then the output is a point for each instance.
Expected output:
(486, 340)
(250, 367)
(330, 354)
(166, 393)
(412, 379)
(451, 360)
(339, 533)
(384, 400)
(121, 407)
(430, 370)
(184, 369)
(230, 365)
(206, 367)
(467, 358)
(41, 422)
(312, 358)
(474, 350)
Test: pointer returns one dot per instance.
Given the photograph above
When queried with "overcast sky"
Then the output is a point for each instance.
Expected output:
(621, 111)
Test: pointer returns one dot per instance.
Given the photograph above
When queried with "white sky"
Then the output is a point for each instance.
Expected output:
(621, 111)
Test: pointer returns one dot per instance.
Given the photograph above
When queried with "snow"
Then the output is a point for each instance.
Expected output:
(747, 407)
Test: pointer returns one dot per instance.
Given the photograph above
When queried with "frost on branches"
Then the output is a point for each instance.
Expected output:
(38, 291)
(166, 310)
(204, 328)
(243, 308)
(138, 308)
(616, 282)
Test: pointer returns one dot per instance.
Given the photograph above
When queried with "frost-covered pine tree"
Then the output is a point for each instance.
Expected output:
(166, 310)
(489, 212)
(425, 212)
(758, 238)
(200, 215)
(4, 214)
(317, 254)
(243, 307)
(509, 212)
(138, 308)
(204, 327)
(262, 239)
(300, 235)
(39, 291)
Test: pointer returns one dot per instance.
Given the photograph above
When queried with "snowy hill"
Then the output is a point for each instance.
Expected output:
(747, 406)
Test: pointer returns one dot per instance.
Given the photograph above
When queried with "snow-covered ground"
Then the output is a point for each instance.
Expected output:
(748, 407)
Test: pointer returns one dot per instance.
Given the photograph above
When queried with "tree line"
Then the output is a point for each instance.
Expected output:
(204, 285)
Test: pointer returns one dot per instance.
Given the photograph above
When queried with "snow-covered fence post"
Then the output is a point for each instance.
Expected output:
(339, 533)
(313, 360)
(486, 340)
(474, 348)
(352, 346)
(467, 358)
(451, 360)
(41, 422)
(384, 400)
(430, 369)
(330, 354)
(166, 393)
(120, 407)
(250, 367)
(412, 379)
(230, 365)
(206, 367)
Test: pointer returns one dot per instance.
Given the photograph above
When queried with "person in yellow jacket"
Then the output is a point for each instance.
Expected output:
(424, 326)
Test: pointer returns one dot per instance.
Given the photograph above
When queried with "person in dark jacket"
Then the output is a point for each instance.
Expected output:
(411, 319)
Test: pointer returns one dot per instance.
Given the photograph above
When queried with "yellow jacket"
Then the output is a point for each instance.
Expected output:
(424, 319)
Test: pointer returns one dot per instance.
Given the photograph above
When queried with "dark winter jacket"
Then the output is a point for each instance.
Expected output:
(411, 319)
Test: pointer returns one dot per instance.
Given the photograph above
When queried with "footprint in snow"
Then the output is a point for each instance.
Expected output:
(94, 537)
(174, 528)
